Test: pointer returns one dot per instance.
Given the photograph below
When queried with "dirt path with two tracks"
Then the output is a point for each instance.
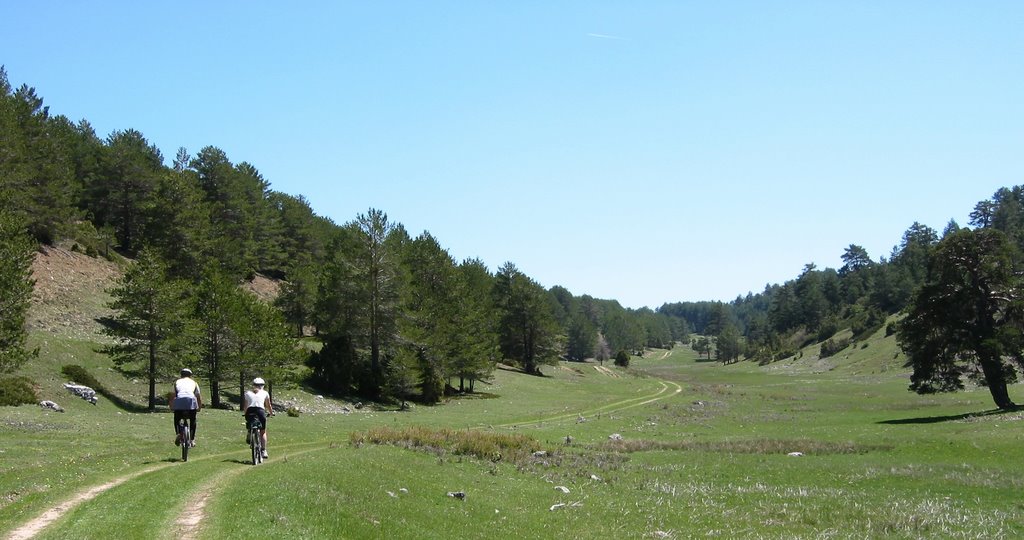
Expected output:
(191, 516)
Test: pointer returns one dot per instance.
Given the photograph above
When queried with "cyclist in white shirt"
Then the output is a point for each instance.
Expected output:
(257, 405)
(186, 402)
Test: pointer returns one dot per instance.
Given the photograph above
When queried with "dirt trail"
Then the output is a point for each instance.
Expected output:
(35, 526)
(187, 524)
(668, 389)
(190, 517)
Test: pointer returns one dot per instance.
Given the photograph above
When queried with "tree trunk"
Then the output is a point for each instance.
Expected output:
(996, 382)
(152, 377)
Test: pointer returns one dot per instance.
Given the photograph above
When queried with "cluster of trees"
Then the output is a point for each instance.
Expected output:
(962, 293)
(776, 322)
(163, 322)
(397, 317)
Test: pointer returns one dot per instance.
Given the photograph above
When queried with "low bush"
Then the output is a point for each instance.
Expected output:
(16, 391)
(80, 375)
(831, 347)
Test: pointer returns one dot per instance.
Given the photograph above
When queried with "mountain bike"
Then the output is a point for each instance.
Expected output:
(185, 434)
(255, 441)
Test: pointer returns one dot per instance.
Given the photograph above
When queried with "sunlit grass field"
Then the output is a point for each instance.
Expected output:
(673, 447)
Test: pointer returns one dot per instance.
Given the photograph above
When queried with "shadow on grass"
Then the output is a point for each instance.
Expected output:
(124, 404)
(471, 395)
(950, 418)
(511, 369)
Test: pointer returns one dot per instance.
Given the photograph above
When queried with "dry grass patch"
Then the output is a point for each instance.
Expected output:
(475, 443)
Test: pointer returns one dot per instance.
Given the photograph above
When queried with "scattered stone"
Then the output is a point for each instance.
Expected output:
(358, 405)
(568, 440)
(346, 410)
(540, 453)
(580, 419)
(403, 490)
(47, 404)
(595, 478)
(795, 454)
(662, 534)
(615, 437)
(83, 392)
(563, 489)
(392, 494)
(556, 507)
(461, 495)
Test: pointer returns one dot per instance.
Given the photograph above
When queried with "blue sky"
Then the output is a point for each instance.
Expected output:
(648, 152)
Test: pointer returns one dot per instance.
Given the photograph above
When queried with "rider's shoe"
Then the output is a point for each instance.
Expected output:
(248, 437)
(177, 440)
(192, 443)
(265, 455)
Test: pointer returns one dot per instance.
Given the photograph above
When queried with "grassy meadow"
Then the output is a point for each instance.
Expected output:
(673, 447)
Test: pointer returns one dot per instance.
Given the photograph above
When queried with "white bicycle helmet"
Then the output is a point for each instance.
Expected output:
(258, 381)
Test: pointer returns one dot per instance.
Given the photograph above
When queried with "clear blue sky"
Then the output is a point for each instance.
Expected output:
(649, 152)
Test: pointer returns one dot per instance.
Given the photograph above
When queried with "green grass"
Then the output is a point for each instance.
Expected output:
(708, 461)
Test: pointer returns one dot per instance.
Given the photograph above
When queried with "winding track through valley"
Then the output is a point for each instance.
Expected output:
(190, 517)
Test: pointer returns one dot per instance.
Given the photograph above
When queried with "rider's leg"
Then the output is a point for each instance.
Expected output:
(177, 416)
(192, 423)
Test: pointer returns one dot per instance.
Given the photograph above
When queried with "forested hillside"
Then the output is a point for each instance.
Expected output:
(397, 316)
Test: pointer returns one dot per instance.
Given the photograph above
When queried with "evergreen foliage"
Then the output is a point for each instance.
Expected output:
(965, 321)
(398, 317)
(16, 391)
(15, 291)
(152, 325)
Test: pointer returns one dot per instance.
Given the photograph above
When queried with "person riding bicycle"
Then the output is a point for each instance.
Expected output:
(185, 401)
(257, 406)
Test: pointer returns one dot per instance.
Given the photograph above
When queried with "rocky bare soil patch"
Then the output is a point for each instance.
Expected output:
(70, 292)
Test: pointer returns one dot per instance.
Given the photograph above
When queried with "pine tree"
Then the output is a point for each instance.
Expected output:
(527, 329)
(152, 322)
(16, 251)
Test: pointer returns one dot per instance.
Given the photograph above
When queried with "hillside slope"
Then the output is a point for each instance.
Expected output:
(70, 293)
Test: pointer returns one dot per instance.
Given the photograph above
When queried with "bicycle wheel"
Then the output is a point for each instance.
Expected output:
(186, 441)
(257, 452)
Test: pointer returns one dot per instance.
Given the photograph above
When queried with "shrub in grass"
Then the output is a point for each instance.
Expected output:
(293, 412)
(622, 359)
(832, 346)
(81, 376)
(17, 391)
